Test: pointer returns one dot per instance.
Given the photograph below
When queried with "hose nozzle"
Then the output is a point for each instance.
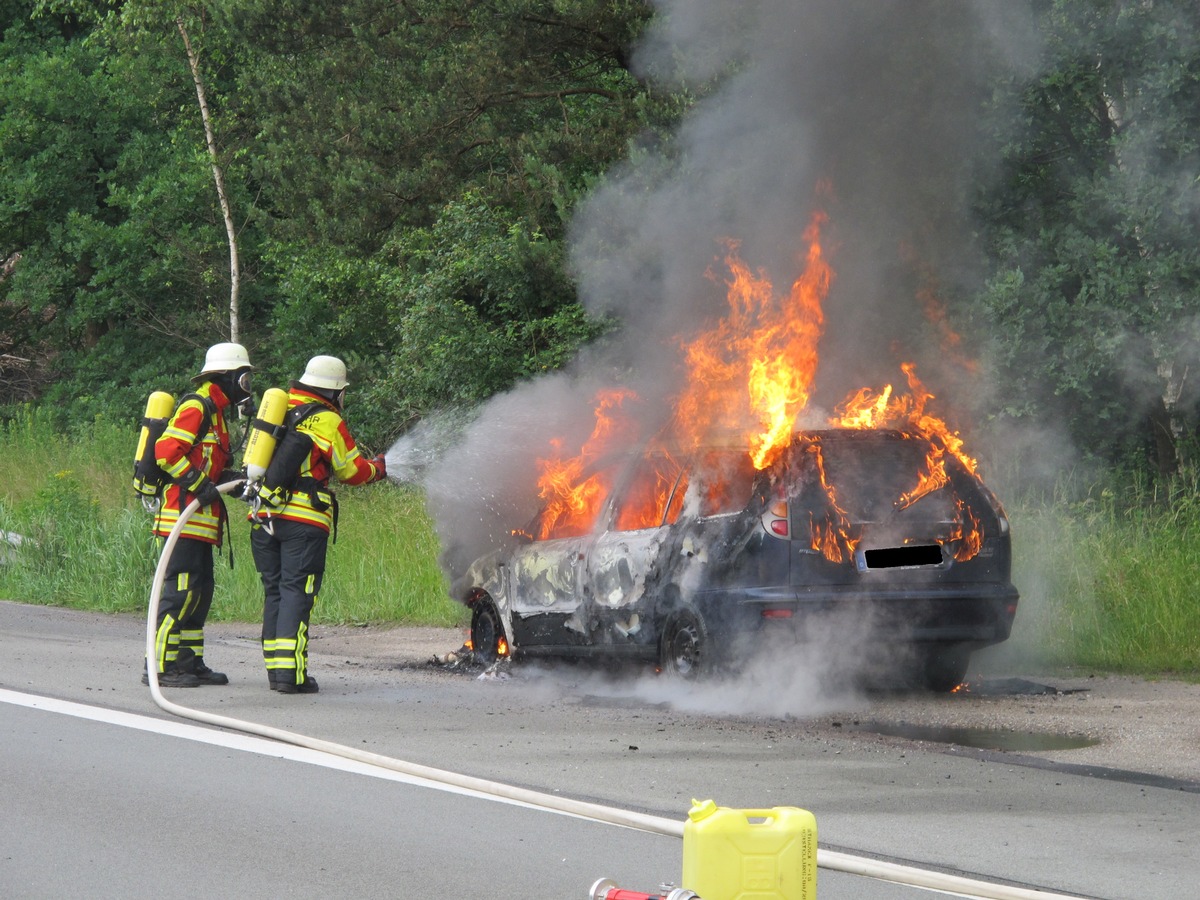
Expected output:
(606, 889)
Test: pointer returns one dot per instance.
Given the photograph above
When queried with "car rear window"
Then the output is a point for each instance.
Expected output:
(871, 472)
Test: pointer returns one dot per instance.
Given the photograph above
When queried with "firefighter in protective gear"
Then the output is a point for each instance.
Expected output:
(290, 541)
(194, 451)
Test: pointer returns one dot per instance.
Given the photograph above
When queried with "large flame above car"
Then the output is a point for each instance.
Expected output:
(751, 373)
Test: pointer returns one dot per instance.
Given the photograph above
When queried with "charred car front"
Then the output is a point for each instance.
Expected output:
(694, 559)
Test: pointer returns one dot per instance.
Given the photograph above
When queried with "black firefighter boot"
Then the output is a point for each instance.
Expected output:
(172, 677)
(189, 662)
(287, 685)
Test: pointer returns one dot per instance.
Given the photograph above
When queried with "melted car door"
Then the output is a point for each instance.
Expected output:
(546, 582)
(625, 553)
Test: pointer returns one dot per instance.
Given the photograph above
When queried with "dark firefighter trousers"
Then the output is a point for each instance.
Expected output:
(291, 564)
(187, 596)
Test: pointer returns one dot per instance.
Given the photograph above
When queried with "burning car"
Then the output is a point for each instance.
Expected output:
(692, 558)
(750, 515)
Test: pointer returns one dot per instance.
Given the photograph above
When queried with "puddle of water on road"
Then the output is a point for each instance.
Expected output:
(980, 738)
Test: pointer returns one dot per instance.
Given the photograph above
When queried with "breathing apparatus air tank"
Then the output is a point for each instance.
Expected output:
(265, 432)
(159, 407)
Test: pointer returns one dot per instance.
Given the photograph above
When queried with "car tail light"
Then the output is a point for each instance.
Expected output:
(775, 519)
(777, 613)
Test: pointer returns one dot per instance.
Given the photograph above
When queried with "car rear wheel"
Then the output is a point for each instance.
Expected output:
(486, 631)
(685, 650)
(944, 668)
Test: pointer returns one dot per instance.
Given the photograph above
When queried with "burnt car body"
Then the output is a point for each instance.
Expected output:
(693, 559)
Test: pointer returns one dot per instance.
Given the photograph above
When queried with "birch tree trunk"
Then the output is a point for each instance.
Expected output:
(219, 178)
(1169, 425)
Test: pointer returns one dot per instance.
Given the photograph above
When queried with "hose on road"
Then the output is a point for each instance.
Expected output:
(827, 859)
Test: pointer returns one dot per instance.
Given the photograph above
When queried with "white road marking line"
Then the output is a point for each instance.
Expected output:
(237, 741)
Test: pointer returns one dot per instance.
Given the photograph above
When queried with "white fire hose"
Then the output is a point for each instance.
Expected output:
(827, 859)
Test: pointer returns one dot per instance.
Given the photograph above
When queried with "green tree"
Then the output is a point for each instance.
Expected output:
(444, 316)
(371, 115)
(339, 129)
(108, 201)
(1096, 233)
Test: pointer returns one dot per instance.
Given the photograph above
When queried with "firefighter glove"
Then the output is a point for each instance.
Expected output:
(202, 488)
(380, 465)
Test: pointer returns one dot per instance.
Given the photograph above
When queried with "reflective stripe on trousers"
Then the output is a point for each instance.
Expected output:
(185, 601)
(291, 564)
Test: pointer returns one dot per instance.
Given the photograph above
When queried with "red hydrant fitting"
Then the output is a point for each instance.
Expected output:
(606, 889)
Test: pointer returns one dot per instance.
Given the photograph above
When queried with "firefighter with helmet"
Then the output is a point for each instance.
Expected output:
(194, 451)
(290, 529)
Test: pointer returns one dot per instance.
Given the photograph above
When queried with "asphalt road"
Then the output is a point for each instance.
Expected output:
(118, 810)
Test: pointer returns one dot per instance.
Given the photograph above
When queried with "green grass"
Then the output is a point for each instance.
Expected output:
(1110, 584)
(89, 544)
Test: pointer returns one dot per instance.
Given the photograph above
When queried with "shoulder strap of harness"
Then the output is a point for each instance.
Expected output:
(208, 408)
(298, 414)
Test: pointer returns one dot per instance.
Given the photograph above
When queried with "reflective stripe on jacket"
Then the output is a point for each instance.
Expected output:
(181, 452)
(334, 453)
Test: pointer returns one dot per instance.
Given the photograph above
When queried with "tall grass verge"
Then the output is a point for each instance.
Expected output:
(87, 542)
(1109, 582)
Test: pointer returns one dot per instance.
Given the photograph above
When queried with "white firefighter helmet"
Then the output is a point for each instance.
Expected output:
(326, 372)
(225, 357)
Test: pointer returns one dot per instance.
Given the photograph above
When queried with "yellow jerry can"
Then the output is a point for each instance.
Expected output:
(750, 854)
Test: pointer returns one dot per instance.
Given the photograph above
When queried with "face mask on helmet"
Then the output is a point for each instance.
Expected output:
(336, 397)
(237, 386)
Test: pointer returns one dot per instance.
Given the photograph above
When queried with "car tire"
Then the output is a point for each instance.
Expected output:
(685, 647)
(486, 631)
(944, 668)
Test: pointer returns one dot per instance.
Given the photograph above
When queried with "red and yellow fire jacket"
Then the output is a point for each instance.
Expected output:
(182, 451)
(333, 453)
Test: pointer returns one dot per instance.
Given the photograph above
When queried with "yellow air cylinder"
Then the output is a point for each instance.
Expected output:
(750, 854)
(147, 477)
(159, 407)
(261, 445)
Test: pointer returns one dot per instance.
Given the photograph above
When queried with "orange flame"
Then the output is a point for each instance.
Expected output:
(968, 533)
(831, 534)
(572, 498)
(752, 373)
